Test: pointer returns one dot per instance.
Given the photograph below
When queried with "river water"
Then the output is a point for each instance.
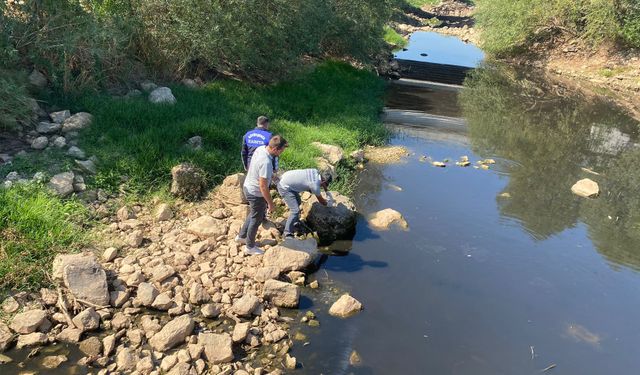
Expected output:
(503, 271)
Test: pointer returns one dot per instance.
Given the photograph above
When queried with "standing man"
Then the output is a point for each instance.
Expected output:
(256, 190)
(255, 138)
(294, 182)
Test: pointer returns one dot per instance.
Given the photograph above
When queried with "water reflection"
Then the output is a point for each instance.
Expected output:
(555, 139)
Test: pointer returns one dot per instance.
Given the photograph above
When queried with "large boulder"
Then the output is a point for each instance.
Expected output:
(28, 321)
(292, 255)
(37, 79)
(62, 183)
(48, 127)
(281, 294)
(173, 333)
(77, 122)
(218, 348)
(331, 223)
(84, 277)
(345, 307)
(384, 219)
(162, 95)
(206, 226)
(188, 181)
(230, 191)
(586, 188)
(333, 154)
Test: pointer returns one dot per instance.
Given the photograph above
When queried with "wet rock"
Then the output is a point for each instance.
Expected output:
(354, 359)
(147, 293)
(76, 152)
(60, 116)
(32, 339)
(37, 79)
(345, 307)
(333, 154)
(314, 284)
(173, 333)
(91, 346)
(281, 294)
(206, 226)
(40, 143)
(87, 320)
(87, 166)
(217, 347)
(126, 360)
(385, 155)
(290, 362)
(62, 183)
(331, 223)
(53, 361)
(285, 259)
(245, 305)
(10, 305)
(6, 337)
(162, 95)
(48, 127)
(210, 311)
(84, 277)
(163, 212)
(240, 331)
(586, 188)
(384, 219)
(110, 254)
(77, 122)
(230, 191)
(188, 181)
(198, 295)
(70, 335)
(28, 321)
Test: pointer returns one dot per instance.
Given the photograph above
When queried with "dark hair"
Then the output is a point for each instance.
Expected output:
(262, 120)
(278, 142)
(326, 177)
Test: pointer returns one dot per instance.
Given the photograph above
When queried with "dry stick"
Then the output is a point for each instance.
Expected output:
(235, 318)
(91, 304)
(551, 366)
(64, 310)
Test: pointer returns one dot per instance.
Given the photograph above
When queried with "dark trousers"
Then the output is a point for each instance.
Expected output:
(292, 199)
(257, 214)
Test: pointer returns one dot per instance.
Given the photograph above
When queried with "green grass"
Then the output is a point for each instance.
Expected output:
(139, 142)
(393, 38)
(34, 227)
(421, 3)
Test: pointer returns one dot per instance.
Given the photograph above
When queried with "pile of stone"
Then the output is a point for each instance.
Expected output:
(174, 294)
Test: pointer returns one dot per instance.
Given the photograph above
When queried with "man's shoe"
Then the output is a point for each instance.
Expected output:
(253, 250)
(240, 240)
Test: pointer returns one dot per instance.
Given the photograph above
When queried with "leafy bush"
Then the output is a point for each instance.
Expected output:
(510, 26)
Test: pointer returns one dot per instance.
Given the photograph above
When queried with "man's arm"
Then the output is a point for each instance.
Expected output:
(321, 199)
(245, 153)
(264, 189)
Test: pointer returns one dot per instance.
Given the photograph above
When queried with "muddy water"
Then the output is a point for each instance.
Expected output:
(503, 271)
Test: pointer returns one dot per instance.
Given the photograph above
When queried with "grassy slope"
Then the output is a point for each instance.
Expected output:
(332, 104)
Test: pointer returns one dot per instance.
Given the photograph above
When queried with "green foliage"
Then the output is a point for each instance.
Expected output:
(393, 38)
(421, 3)
(510, 26)
(34, 227)
(137, 143)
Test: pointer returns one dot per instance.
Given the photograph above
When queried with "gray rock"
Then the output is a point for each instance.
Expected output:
(91, 346)
(195, 142)
(87, 320)
(60, 116)
(163, 302)
(84, 277)
(206, 226)
(240, 331)
(384, 219)
(188, 181)
(77, 122)
(333, 154)
(59, 142)
(293, 255)
(265, 273)
(110, 254)
(162, 95)
(39, 177)
(118, 298)
(218, 348)
(281, 294)
(12, 176)
(38, 79)
(134, 93)
(40, 143)
(198, 295)
(148, 86)
(76, 152)
(246, 305)
(28, 321)
(62, 183)
(135, 238)
(109, 344)
(87, 166)
(331, 223)
(32, 339)
(210, 311)
(147, 293)
(161, 272)
(345, 307)
(173, 333)
(48, 127)
(190, 83)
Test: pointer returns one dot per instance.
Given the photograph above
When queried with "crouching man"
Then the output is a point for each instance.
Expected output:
(256, 190)
(294, 182)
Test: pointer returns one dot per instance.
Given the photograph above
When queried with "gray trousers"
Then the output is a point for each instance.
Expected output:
(257, 213)
(292, 199)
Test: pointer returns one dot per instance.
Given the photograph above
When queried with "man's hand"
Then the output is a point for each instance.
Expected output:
(264, 189)
(321, 200)
(271, 207)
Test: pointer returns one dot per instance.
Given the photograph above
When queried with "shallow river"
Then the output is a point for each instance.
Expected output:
(503, 271)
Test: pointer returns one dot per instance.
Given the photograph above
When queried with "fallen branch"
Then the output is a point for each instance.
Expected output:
(64, 310)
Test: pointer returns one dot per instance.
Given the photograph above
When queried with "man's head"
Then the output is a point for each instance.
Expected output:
(325, 178)
(263, 122)
(277, 144)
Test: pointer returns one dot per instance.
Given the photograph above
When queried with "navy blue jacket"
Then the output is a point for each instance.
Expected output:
(251, 141)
